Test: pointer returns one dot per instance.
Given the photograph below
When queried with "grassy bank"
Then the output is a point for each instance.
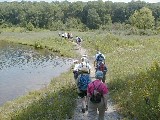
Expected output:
(132, 77)
(41, 40)
(56, 101)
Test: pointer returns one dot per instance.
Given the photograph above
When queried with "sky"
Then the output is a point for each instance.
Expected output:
(126, 1)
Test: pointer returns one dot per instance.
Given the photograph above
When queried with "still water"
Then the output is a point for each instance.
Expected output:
(23, 69)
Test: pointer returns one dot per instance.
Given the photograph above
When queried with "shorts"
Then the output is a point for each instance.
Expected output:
(82, 93)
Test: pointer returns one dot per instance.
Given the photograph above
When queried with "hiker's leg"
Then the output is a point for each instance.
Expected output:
(104, 78)
(83, 102)
(101, 109)
(92, 111)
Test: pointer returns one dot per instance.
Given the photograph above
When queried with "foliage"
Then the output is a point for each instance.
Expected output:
(142, 19)
(56, 15)
(133, 85)
(30, 26)
(141, 92)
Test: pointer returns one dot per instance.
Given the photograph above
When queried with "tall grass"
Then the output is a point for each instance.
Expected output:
(133, 76)
(133, 80)
(54, 102)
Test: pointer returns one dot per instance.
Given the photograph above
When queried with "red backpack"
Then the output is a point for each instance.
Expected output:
(101, 67)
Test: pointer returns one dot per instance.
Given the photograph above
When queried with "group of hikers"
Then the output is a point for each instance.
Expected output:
(93, 93)
(68, 35)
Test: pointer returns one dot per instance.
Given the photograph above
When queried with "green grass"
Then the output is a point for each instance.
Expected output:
(131, 79)
(41, 40)
(133, 74)
(56, 101)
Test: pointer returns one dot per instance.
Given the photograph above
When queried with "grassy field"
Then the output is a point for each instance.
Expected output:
(133, 74)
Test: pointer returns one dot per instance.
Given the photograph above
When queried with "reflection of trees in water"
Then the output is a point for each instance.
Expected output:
(15, 56)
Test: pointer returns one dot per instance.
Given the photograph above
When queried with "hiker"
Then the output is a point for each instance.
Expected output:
(84, 66)
(75, 69)
(102, 67)
(65, 35)
(62, 35)
(99, 58)
(68, 36)
(59, 33)
(85, 58)
(71, 36)
(82, 83)
(97, 97)
(78, 40)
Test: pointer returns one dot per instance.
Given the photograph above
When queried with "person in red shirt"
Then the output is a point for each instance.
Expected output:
(102, 104)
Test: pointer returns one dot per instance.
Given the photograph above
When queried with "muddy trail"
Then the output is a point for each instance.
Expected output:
(111, 113)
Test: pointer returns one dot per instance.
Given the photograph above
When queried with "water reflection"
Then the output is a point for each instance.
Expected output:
(23, 69)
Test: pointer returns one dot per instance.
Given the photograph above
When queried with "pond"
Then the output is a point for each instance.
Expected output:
(23, 69)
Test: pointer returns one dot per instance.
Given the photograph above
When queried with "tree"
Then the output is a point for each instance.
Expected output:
(142, 19)
(30, 26)
(93, 19)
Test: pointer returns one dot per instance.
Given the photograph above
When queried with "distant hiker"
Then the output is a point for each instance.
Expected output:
(68, 35)
(62, 35)
(102, 67)
(65, 35)
(59, 34)
(82, 83)
(75, 69)
(78, 40)
(97, 97)
(99, 58)
(71, 36)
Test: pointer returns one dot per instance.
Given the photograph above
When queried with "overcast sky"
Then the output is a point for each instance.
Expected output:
(150, 1)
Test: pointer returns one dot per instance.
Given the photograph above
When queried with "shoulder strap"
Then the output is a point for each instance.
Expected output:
(97, 87)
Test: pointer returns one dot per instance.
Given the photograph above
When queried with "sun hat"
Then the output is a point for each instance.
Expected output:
(99, 75)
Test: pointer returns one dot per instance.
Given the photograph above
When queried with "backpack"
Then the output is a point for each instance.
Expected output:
(84, 68)
(96, 95)
(100, 57)
(79, 39)
(83, 81)
(100, 67)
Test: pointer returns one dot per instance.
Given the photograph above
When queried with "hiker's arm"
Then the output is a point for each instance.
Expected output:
(95, 62)
(105, 101)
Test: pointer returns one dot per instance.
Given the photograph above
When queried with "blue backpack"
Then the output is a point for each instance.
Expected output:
(100, 57)
(83, 81)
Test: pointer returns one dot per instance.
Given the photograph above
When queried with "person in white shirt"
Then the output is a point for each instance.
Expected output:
(84, 67)
(75, 69)
(85, 58)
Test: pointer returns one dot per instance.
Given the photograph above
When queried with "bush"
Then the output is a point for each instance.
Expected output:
(141, 94)
(30, 26)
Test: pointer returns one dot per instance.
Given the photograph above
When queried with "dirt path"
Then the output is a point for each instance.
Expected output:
(111, 114)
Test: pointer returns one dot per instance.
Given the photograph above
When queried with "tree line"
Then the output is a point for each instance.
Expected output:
(79, 15)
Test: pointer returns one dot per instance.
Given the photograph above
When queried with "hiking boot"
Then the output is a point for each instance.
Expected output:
(86, 107)
(83, 110)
